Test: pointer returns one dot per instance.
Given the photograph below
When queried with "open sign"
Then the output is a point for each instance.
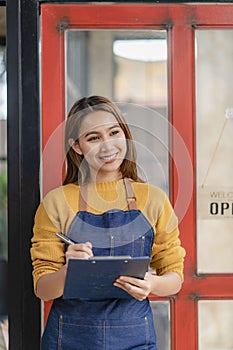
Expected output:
(215, 203)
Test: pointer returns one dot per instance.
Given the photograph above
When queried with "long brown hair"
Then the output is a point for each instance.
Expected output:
(77, 169)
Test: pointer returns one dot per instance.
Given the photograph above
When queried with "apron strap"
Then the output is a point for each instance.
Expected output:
(83, 198)
(131, 199)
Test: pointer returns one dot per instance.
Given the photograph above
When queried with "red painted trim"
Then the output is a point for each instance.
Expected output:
(209, 286)
(53, 105)
(53, 102)
(185, 327)
(182, 90)
(127, 15)
(184, 336)
(180, 20)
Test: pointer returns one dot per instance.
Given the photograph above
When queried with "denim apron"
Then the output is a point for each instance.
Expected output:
(108, 324)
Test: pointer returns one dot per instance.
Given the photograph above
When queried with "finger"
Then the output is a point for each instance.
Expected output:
(131, 280)
(77, 254)
(82, 251)
(129, 286)
(89, 244)
(136, 292)
(83, 247)
(124, 285)
(140, 286)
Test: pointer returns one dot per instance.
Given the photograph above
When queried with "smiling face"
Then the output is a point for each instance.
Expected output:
(102, 142)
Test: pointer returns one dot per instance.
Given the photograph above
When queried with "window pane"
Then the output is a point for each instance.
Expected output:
(121, 65)
(129, 67)
(3, 192)
(3, 156)
(161, 315)
(214, 106)
(3, 204)
(215, 324)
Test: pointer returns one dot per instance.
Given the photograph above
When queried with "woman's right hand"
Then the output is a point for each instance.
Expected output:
(79, 251)
(51, 286)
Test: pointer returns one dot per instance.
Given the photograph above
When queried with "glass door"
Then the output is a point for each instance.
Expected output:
(145, 58)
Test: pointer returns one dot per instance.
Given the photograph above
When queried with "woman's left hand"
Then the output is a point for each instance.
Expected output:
(167, 284)
(139, 289)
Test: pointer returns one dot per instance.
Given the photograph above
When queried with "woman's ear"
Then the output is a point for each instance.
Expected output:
(75, 146)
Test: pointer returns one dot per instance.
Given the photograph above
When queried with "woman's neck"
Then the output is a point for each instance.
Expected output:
(106, 177)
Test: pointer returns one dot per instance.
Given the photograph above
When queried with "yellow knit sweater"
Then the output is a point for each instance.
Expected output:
(59, 207)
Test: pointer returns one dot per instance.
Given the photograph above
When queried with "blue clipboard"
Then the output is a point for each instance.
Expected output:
(93, 278)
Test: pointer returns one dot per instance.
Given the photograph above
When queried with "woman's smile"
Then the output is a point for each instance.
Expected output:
(109, 158)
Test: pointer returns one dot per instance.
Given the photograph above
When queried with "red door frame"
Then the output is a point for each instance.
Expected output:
(180, 22)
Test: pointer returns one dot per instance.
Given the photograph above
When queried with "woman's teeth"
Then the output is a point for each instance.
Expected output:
(110, 157)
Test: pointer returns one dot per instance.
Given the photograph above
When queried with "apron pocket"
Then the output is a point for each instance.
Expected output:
(106, 335)
(79, 335)
(135, 334)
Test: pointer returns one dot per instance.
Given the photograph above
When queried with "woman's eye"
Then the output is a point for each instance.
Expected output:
(115, 132)
(93, 138)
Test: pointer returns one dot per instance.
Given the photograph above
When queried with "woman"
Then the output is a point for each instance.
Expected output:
(108, 210)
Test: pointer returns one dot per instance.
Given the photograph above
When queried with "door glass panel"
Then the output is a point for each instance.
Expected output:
(161, 315)
(214, 106)
(215, 324)
(3, 192)
(130, 68)
(3, 156)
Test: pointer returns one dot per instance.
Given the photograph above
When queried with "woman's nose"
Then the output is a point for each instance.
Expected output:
(106, 144)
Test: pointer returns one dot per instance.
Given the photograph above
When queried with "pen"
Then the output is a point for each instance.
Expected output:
(65, 238)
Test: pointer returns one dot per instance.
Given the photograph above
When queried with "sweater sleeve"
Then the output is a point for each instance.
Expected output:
(167, 253)
(47, 251)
